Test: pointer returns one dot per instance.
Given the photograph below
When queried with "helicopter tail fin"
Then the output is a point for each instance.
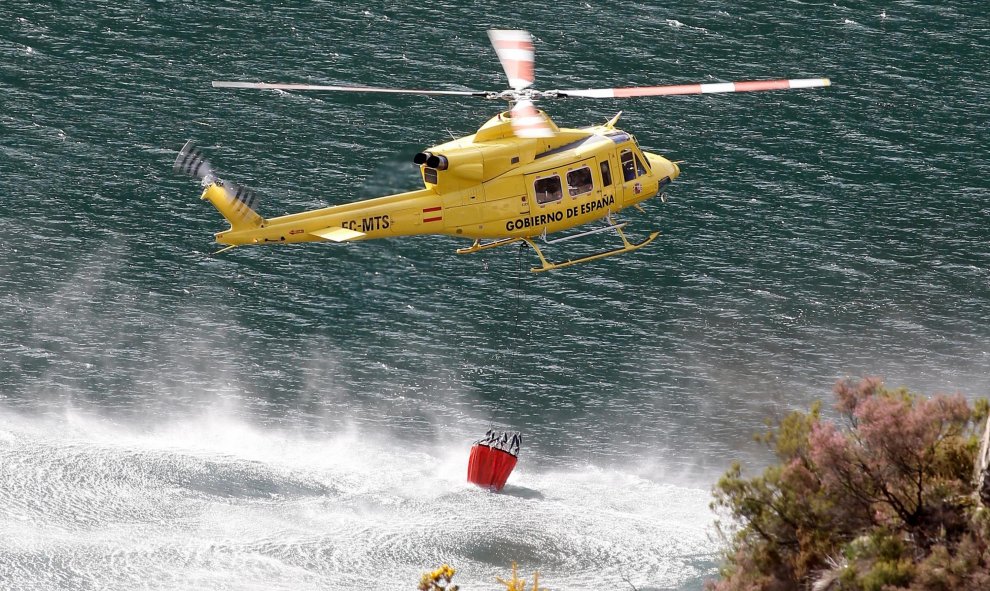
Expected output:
(234, 203)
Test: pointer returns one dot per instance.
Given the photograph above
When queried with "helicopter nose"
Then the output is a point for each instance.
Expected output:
(663, 167)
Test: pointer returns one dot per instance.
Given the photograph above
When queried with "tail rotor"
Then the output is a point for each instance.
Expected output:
(234, 202)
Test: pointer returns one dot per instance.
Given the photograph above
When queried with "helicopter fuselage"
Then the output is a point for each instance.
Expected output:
(488, 185)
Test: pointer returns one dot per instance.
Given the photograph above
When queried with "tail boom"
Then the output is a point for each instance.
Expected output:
(393, 215)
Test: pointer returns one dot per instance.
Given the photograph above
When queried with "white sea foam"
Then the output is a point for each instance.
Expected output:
(214, 501)
(676, 24)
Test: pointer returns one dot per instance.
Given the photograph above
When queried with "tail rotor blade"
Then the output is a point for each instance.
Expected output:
(190, 161)
(243, 201)
(717, 87)
(515, 52)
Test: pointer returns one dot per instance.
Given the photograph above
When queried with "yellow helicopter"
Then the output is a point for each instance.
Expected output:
(518, 178)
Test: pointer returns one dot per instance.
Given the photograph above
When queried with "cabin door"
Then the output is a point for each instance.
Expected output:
(631, 169)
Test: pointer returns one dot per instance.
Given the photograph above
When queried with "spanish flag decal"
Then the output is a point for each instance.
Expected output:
(432, 214)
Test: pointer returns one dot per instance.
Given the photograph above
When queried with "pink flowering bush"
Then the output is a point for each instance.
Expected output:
(883, 499)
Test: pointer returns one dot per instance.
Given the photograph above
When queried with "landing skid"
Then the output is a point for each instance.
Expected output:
(546, 265)
(627, 247)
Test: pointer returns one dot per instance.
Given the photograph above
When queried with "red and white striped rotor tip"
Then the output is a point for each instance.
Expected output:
(528, 122)
(515, 51)
(711, 88)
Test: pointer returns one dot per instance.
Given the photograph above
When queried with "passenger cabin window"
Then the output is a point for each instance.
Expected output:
(548, 189)
(628, 165)
(606, 173)
(579, 181)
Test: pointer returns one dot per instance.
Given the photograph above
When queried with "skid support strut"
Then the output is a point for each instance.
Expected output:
(546, 265)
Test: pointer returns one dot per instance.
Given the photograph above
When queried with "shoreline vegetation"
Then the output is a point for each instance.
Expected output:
(882, 499)
(440, 580)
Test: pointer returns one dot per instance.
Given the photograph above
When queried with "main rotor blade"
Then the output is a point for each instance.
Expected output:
(528, 122)
(697, 88)
(265, 85)
(515, 52)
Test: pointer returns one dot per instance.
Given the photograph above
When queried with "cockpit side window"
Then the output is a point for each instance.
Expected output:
(632, 165)
(626, 160)
(579, 181)
(640, 169)
(548, 189)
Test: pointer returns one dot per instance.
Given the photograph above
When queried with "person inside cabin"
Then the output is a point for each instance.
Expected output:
(628, 166)
(548, 189)
(579, 181)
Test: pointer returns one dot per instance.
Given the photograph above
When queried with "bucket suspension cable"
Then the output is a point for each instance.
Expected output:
(494, 456)
(510, 343)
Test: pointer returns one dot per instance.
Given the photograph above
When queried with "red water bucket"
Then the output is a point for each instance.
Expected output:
(493, 458)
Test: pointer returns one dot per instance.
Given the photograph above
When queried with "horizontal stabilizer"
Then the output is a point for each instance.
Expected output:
(338, 234)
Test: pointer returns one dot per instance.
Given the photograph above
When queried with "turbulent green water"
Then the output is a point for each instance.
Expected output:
(299, 417)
